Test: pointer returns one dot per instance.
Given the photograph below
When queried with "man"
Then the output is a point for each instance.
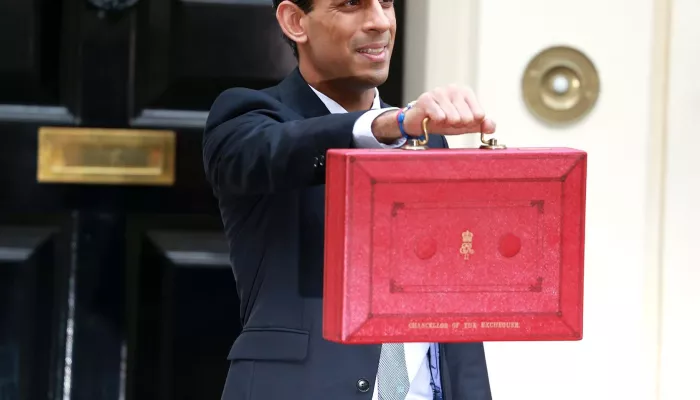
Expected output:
(264, 157)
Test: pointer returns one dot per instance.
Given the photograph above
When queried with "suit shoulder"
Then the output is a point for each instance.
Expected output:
(238, 101)
(240, 96)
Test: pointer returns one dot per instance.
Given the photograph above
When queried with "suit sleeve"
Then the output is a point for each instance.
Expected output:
(248, 148)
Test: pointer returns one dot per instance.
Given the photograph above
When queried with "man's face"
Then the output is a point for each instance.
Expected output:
(350, 40)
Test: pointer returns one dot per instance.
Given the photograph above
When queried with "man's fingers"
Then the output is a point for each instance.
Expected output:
(445, 102)
(488, 126)
(477, 111)
(465, 112)
(452, 110)
(432, 109)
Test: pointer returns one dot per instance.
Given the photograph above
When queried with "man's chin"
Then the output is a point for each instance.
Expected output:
(374, 77)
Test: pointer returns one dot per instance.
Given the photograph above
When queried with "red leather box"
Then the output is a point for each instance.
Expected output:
(454, 245)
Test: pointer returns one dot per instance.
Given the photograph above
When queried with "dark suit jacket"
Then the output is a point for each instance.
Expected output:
(264, 154)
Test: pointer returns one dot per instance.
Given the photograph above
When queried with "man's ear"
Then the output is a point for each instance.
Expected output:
(290, 18)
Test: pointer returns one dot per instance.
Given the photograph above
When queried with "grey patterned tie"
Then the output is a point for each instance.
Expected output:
(392, 376)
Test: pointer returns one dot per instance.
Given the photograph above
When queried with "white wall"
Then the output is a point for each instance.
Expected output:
(640, 270)
(680, 286)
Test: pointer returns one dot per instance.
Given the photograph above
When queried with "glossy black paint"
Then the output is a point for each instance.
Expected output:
(111, 292)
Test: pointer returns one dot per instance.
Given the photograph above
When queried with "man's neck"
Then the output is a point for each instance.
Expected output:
(343, 91)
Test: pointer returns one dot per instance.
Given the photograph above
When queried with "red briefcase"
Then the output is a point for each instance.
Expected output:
(454, 245)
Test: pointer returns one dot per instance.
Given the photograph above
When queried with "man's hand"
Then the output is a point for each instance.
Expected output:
(452, 110)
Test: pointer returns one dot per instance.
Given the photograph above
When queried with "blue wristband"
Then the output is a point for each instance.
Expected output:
(400, 118)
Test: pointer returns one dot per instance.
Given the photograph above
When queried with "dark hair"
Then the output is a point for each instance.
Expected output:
(306, 6)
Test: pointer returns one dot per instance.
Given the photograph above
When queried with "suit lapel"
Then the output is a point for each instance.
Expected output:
(296, 94)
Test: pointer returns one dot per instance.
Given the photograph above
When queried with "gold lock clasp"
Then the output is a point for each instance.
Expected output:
(418, 143)
(422, 143)
(490, 144)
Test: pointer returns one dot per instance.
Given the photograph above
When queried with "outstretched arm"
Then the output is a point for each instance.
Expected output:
(248, 149)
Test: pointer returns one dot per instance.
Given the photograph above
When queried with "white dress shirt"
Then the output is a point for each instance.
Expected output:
(416, 353)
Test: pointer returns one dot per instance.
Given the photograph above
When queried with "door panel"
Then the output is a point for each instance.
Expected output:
(33, 272)
(187, 52)
(182, 308)
(30, 70)
(29, 66)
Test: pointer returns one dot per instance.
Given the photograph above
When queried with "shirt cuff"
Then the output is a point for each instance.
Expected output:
(362, 132)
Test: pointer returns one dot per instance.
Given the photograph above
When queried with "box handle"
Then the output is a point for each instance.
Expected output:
(422, 144)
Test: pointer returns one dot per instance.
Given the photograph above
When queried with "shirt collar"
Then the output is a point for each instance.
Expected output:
(335, 108)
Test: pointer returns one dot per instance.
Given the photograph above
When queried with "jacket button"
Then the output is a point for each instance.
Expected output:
(362, 385)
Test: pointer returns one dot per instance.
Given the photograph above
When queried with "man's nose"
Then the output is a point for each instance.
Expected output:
(377, 18)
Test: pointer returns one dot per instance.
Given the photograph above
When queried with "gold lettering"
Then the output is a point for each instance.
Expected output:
(464, 325)
(467, 248)
(428, 325)
(501, 325)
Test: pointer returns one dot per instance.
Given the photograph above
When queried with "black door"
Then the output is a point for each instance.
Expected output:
(114, 274)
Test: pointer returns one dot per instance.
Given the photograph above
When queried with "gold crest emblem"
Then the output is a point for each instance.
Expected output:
(467, 248)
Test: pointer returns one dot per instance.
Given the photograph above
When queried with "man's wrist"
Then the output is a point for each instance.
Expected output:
(386, 128)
